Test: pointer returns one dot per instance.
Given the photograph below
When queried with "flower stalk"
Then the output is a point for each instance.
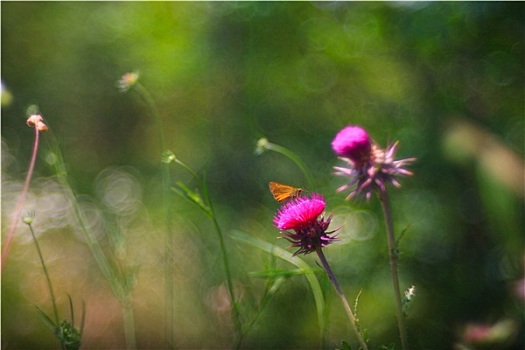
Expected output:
(264, 145)
(393, 257)
(205, 203)
(340, 294)
(107, 267)
(69, 336)
(128, 81)
(36, 121)
(370, 168)
(304, 225)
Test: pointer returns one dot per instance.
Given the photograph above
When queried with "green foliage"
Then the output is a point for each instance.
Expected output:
(344, 346)
(294, 260)
(68, 335)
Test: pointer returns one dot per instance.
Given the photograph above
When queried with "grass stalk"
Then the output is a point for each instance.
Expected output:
(206, 206)
(129, 324)
(108, 270)
(169, 259)
(227, 271)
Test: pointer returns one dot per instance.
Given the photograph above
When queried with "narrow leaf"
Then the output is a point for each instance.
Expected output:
(294, 260)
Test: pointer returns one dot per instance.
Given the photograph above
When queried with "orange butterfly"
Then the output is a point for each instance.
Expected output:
(282, 192)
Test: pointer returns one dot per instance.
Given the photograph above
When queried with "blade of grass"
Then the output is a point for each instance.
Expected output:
(278, 273)
(285, 255)
(47, 320)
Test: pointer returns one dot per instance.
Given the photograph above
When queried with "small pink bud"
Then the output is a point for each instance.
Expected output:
(354, 143)
(33, 120)
(36, 121)
(41, 126)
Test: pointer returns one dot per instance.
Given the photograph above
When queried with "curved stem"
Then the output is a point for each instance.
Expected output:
(106, 266)
(227, 270)
(392, 253)
(292, 156)
(146, 96)
(21, 201)
(337, 287)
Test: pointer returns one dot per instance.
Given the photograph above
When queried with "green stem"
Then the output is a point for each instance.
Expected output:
(293, 157)
(169, 258)
(211, 214)
(96, 250)
(108, 270)
(393, 255)
(49, 284)
(146, 96)
(129, 324)
(227, 271)
(337, 287)
(167, 203)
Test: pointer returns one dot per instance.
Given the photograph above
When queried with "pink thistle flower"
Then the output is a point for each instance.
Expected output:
(299, 213)
(353, 143)
(303, 224)
(368, 174)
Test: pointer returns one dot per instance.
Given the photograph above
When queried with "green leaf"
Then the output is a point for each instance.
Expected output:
(294, 260)
(344, 346)
(192, 196)
(47, 320)
(279, 273)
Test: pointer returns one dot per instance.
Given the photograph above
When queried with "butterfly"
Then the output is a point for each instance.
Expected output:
(283, 193)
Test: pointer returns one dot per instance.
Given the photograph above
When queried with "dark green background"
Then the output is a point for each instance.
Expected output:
(443, 78)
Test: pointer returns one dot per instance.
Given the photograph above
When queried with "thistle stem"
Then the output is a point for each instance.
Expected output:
(21, 201)
(393, 255)
(337, 287)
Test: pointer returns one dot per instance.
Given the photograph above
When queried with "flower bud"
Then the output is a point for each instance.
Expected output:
(353, 143)
(127, 81)
(36, 121)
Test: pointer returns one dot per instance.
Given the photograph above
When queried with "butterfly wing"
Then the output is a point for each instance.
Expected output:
(283, 192)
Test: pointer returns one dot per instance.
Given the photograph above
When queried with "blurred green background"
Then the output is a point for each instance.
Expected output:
(445, 79)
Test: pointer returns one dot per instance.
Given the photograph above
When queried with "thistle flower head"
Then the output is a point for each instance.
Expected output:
(367, 172)
(353, 143)
(303, 224)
